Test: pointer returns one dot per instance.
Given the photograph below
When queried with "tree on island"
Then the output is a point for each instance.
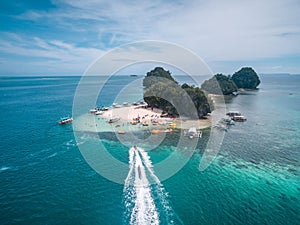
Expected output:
(157, 72)
(219, 84)
(246, 78)
(201, 102)
(163, 92)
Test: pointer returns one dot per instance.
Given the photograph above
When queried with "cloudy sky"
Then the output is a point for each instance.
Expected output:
(63, 37)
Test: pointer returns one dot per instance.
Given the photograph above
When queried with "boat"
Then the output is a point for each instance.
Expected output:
(233, 113)
(164, 115)
(220, 127)
(172, 125)
(168, 130)
(239, 118)
(227, 121)
(116, 105)
(154, 121)
(65, 120)
(93, 111)
(113, 120)
(155, 131)
(161, 131)
(193, 133)
(145, 124)
(125, 104)
(99, 112)
(121, 132)
(139, 171)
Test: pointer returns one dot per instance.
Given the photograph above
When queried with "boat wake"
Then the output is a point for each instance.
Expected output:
(145, 198)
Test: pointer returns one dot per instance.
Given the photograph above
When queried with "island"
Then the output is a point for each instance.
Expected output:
(220, 84)
(191, 101)
(166, 104)
(245, 78)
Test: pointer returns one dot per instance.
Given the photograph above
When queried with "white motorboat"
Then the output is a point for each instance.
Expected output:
(193, 133)
(99, 112)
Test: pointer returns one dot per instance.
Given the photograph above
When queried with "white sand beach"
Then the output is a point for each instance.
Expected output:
(148, 119)
(129, 113)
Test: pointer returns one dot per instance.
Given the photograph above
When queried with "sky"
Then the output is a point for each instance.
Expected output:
(64, 37)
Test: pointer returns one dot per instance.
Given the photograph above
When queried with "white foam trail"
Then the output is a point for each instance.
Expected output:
(159, 189)
(139, 196)
(148, 164)
(144, 211)
(131, 167)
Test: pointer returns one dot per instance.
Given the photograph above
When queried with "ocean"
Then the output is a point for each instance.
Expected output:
(44, 178)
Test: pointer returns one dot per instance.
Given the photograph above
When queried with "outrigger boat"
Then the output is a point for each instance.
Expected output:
(65, 120)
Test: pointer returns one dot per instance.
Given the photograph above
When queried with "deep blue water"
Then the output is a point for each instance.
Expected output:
(45, 180)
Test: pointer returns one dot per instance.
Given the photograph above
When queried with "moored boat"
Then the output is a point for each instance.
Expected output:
(65, 120)
(193, 133)
(227, 121)
(239, 118)
(113, 120)
(168, 130)
(145, 124)
(134, 122)
(116, 105)
(222, 127)
(93, 111)
(121, 132)
(172, 125)
(99, 113)
(233, 113)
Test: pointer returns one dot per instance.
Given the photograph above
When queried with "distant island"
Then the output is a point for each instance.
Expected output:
(245, 78)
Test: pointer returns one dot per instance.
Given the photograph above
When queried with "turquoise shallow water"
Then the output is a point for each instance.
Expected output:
(45, 180)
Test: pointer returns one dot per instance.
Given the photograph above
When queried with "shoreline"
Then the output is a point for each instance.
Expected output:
(134, 118)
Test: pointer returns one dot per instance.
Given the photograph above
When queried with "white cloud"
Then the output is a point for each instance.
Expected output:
(216, 30)
(54, 56)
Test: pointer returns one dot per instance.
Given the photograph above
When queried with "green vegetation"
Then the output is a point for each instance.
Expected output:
(246, 78)
(200, 100)
(227, 85)
(157, 72)
(219, 84)
(163, 92)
